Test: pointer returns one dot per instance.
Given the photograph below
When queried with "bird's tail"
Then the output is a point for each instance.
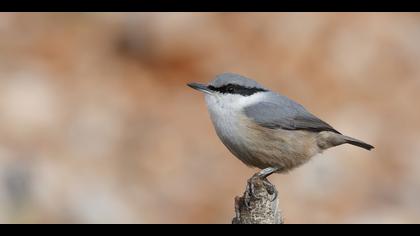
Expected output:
(358, 143)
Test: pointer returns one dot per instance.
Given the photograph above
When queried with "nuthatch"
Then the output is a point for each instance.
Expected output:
(264, 129)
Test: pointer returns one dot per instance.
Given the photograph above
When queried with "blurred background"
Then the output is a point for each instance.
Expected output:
(98, 126)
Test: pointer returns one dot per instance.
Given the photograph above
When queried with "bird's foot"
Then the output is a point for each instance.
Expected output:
(271, 189)
(251, 188)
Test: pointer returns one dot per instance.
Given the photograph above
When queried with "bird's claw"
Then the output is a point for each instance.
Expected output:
(250, 188)
(271, 189)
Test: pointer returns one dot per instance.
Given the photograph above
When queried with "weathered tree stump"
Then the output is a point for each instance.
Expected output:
(257, 205)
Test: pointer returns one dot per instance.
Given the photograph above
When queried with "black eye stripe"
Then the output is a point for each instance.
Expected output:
(236, 89)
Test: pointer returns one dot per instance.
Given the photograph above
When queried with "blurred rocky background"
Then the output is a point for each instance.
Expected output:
(97, 125)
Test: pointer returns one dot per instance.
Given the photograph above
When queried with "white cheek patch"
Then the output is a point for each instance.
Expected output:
(252, 99)
(232, 101)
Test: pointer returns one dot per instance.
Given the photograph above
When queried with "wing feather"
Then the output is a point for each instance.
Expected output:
(280, 112)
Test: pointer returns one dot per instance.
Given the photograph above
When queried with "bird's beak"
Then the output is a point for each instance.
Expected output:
(200, 87)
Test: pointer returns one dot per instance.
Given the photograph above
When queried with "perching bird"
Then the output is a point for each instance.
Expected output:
(264, 129)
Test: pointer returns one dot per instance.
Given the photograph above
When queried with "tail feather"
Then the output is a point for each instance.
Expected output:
(358, 143)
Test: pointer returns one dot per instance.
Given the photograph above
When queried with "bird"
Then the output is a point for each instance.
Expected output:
(265, 129)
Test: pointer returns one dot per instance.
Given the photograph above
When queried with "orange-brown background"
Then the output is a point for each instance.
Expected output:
(97, 125)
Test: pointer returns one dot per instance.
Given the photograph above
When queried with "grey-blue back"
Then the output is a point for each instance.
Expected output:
(278, 111)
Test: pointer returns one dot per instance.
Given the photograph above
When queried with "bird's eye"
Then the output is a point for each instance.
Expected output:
(230, 89)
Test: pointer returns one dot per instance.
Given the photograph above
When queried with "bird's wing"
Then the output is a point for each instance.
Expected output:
(281, 112)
